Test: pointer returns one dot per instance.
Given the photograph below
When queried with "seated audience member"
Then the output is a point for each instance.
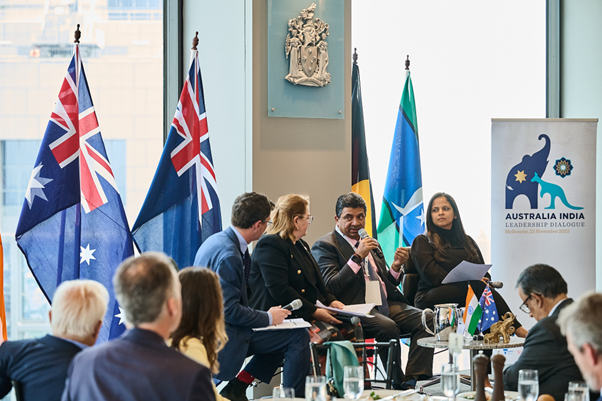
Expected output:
(581, 323)
(202, 331)
(39, 366)
(544, 294)
(139, 365)
(349, 265)
(227, 254)
(283, 267)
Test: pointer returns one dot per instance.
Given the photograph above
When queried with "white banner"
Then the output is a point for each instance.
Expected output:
(543, 197)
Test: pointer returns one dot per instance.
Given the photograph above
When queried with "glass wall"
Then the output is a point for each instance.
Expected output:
(122, 52)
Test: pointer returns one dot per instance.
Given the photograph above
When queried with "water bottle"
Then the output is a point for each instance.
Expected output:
(359, 331)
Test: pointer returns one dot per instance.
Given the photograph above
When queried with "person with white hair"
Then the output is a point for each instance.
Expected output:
(581, 323)
(139, 365)
(39, 366)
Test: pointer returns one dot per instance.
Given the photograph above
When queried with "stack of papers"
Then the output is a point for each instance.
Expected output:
(351, 310)
(286, 325)
(466, 271)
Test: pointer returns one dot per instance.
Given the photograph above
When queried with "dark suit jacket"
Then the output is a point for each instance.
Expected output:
(221, 253)
(39, 365)
(280, 274)
(138, 366)
(332, 253)
(546, 350)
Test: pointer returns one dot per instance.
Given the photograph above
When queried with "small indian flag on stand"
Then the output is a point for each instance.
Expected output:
(472, 312)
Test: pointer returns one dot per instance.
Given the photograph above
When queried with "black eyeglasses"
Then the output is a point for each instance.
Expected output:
(524, 306)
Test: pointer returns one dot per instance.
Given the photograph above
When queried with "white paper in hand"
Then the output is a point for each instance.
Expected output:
(466, 271)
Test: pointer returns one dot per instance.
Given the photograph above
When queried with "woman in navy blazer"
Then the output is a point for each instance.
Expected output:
(283, 268)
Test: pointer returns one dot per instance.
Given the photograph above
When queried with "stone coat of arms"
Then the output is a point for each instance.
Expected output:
(307, 49)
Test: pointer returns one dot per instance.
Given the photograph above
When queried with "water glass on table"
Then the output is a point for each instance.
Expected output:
(578, 391)
(528, 384)
(315, 388)
(283, 392)
(450, 380)
(353, 382)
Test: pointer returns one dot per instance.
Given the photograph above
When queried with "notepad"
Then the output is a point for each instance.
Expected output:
(466, 271)
(351, 310)
(286, 325)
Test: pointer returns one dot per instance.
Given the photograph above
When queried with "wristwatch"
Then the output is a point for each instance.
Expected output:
(356, 258)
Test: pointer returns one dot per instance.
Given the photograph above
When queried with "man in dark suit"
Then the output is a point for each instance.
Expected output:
(355, 271)
(544, 294)
(227, 254)
(139, 365)
(581, 322)
(39, 366)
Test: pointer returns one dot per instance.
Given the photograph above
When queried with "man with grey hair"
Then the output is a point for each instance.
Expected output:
(544, 295)
(39, 366)
(581, 323)
(139, 365)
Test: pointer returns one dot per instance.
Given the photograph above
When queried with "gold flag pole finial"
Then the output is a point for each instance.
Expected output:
(78, 34)
(195, 41)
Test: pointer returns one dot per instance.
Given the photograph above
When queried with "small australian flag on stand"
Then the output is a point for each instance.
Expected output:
(490, 315)
(72, 224)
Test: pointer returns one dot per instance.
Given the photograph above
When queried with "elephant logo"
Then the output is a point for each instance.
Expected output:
(520, 178)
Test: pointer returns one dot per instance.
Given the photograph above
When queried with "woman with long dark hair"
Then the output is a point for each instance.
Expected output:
(437, 252)
(202, 332)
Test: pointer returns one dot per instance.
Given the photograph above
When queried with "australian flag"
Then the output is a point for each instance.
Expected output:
(72, 225)
(181, 209)
(490, 315)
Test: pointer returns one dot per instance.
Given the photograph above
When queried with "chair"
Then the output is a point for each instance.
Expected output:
(391, 345)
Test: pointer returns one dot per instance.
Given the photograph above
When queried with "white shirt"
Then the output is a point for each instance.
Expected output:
(556, 306)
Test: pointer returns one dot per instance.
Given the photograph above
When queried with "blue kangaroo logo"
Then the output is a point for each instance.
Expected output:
(555, 191)
(519, 180)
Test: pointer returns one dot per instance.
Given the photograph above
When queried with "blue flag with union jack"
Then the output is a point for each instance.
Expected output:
(490, 315)
(181, 209)
(72, 224)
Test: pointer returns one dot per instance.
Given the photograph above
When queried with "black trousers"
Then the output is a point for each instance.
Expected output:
(402, 319)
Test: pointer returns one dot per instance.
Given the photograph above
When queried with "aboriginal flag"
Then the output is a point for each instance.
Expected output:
(360, 171)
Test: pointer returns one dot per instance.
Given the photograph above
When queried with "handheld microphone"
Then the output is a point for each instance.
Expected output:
(363, 234)
(296, 304)
(496, 284)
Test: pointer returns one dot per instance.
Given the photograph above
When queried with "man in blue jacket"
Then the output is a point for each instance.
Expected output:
(39, 366)
(139, 365)
(227, 254)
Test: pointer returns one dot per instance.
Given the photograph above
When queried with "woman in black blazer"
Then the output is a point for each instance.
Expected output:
(283, 268)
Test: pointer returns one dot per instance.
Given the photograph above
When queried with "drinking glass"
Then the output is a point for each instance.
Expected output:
(450, 380)
(578, 391)
(353, 382)
(283, 392)
(315, 388)
(528, 384)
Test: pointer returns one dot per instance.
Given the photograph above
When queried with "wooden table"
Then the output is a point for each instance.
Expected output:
(473, 346)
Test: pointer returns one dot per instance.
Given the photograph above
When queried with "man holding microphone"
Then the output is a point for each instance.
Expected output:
(355, 271)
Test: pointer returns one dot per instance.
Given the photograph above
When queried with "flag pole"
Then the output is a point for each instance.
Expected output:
(355, 55)
(407, 65)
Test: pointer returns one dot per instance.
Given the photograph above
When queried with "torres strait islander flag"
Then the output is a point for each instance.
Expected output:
(360, 170)
(72, 224)
(402, 211)
(182, 209)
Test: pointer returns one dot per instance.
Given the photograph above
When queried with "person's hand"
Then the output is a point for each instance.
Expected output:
(485, 280)
(326, 316)
(337, 304)
(278, 314)
(401, 256)
(365, 246)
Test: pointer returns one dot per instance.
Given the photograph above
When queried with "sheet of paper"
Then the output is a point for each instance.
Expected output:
(466, 271)
(373, 293)
(286, 325)
(352, 310)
